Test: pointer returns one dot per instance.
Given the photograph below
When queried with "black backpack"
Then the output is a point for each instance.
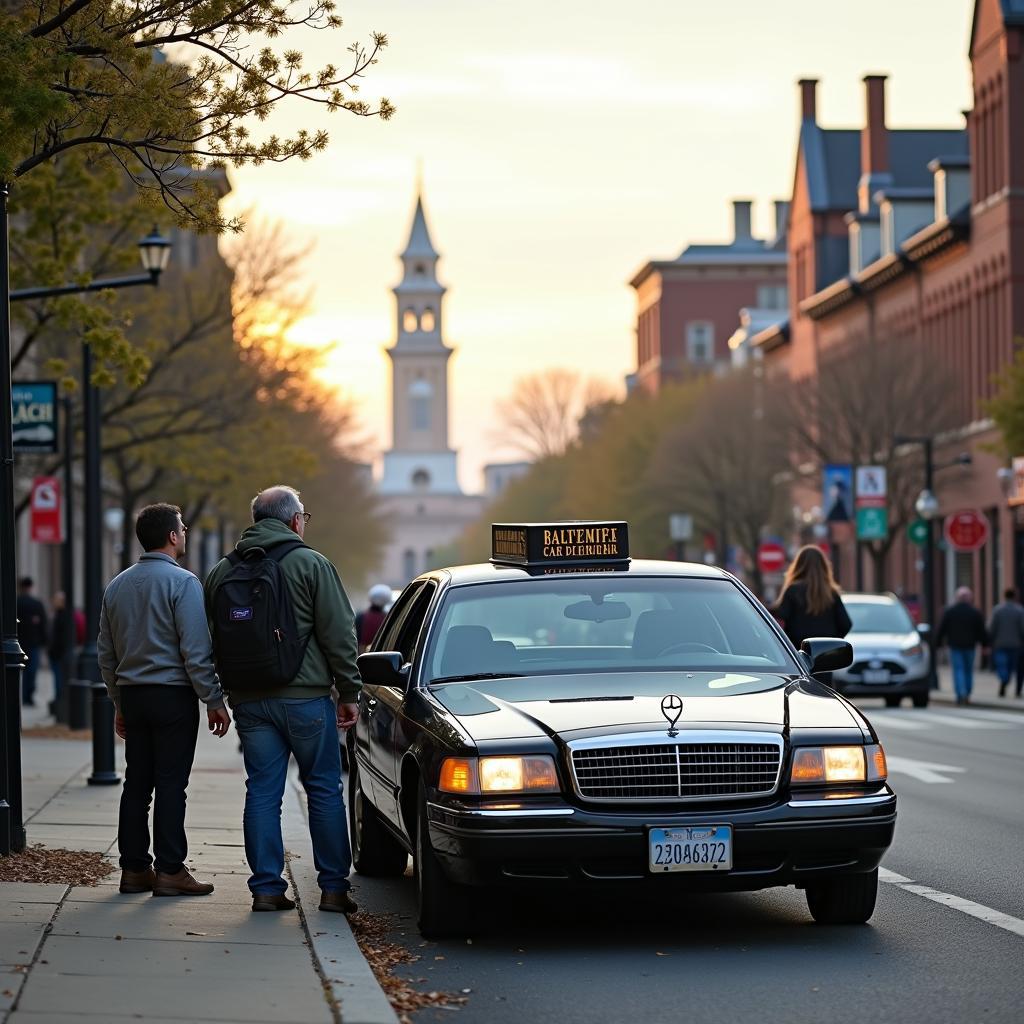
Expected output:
(256, 643)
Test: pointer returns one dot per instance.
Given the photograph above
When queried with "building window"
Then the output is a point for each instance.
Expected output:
(428, 560)
(420, 479)
(427, 319)
(409, 564)
(420, 268)
(421, 396)
(410, 322)
(700, 342)
(771, 296)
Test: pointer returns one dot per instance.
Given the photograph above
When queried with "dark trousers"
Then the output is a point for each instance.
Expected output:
(28, 675)
(161, 728)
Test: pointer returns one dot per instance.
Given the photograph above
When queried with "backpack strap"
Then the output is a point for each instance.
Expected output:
(284, 548)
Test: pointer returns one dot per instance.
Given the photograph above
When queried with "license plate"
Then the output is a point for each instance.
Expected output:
(694, 848)
(875, 675)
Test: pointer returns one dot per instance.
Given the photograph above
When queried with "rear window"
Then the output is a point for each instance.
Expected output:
(541, 627)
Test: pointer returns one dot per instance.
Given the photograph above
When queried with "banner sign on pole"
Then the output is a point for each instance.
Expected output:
(837, 493)
(35, 416)
(47, 521)
(872, 514)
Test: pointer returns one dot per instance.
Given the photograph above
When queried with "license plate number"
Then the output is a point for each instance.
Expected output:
(875, 675)
(694, 848)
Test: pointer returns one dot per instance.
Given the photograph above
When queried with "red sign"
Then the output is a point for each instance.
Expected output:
(966, 530)
(771, 557)
(47, 522)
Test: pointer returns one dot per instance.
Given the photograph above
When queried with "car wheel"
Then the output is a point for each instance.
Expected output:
(843, 899)
(921, 700)
(892, 702)
(444, 909)
(375, 851)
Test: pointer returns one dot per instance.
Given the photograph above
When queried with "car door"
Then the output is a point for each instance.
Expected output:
(368, 740)
(383, 702)
(387, 712)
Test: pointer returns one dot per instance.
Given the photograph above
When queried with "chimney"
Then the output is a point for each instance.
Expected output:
(741, 220)
(781, 218)
(808, 99)
(874, 138)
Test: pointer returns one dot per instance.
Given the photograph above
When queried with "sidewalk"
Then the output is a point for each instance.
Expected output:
(984, 695)
(90, 954)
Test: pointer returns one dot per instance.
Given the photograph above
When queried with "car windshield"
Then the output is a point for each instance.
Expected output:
(878, 617)
(542, 627)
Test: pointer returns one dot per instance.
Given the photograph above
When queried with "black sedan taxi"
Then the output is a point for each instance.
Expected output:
(563, 714)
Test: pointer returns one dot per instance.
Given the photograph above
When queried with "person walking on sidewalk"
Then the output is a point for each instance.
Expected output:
(1006, 634)
(371, 619)
(280, 712)
(156, 658)
(962, 627)
(810, 603)
(32, 635)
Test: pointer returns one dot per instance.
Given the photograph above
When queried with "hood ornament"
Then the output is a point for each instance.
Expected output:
(672, 708)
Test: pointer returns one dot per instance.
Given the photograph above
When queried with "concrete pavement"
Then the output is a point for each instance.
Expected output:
(985, 693)
(84, 953)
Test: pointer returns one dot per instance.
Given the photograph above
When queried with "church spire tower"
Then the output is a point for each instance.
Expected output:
(420, 460)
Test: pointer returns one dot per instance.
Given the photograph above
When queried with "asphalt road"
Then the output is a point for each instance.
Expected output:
(629, 955)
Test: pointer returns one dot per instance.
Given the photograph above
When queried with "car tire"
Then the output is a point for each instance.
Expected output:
(843, 899)
(443, 906)
(892, 702)
(921, 700)
(375, 851)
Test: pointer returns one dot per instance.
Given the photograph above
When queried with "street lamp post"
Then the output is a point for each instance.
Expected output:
(154, 251)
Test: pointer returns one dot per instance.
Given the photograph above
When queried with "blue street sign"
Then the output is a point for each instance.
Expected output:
(35, 416)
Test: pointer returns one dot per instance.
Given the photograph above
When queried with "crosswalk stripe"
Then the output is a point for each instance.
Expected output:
(893, 722)
(957, 721)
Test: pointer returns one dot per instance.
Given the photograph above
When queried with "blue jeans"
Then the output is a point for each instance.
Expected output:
(269, 731)
(962, 660)
(1004, 660)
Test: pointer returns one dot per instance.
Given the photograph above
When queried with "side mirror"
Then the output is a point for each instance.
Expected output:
(826, 654)
(382, 668)
(924, 629)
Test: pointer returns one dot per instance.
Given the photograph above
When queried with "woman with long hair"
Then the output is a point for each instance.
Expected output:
(809, 604)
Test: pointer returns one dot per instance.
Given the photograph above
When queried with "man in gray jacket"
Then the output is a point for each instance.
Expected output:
(1006, 629)
(156, 657)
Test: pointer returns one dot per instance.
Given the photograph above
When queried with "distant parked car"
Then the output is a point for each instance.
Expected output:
(891, 658)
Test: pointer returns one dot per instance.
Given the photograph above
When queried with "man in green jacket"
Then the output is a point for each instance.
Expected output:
(299, 718)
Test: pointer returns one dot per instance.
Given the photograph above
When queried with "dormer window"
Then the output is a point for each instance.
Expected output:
(410, 322)
(427, 320)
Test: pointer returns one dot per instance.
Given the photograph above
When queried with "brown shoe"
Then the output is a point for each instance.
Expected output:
(137, 881)
(181, 884)
(266, 901)
(337, 902)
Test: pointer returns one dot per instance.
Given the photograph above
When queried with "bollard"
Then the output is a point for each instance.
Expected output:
(79, 691)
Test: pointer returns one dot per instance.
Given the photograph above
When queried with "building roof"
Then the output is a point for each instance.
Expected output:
(419, 244)
(1012, 11)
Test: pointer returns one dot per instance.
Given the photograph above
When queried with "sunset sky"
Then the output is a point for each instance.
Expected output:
(563, 144)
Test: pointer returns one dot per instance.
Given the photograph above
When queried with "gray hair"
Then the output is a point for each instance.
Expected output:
(277, 502)
(964, 594)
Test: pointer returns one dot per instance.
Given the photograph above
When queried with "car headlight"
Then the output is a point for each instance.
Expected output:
(913, 651)
(483, 775)
(839, 764)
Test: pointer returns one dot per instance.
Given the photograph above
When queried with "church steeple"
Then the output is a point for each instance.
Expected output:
(418, 296)
(419, 245)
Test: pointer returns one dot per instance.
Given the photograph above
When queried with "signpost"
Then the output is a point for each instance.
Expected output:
(771, 557)
(47, 521)
(966, 530)
(917, 532)
(680, 530)
(35, 416)
(871, 495)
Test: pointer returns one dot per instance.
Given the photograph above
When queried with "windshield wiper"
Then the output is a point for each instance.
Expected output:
(476, 675)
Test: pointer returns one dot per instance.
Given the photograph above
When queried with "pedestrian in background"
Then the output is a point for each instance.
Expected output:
(32, 635)
(156, 657)
(62, 629)
(1006, 634)
(299, 716)
(810, 603)
(369, 620)
(962, 628)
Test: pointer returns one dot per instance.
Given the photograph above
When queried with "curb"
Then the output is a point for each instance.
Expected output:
(347, 976)
(1008, 704)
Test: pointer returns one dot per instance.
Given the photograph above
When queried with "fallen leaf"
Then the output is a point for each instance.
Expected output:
(195, 933)
(438, 957)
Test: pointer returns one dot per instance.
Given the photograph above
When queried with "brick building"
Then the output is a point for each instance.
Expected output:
(687, 307)
(918, 236)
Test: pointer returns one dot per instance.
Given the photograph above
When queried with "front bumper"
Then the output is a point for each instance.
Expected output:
(794, 842)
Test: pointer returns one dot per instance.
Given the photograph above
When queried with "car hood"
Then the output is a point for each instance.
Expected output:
(573, 705)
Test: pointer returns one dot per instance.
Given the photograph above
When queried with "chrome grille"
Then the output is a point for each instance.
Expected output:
(670, 770)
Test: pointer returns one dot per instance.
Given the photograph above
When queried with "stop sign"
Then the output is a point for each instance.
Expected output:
(771, 557)
(966, 530)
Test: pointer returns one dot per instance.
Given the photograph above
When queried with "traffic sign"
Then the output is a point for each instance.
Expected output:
(966, 530)
(872, 523)
(771, 557)
(917, 532)
(45, 510)
(871, 487)
(680, 526)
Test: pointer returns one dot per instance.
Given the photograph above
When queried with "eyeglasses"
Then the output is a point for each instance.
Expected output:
(306, 516)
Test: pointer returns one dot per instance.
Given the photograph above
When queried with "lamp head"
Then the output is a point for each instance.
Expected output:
(154, 251)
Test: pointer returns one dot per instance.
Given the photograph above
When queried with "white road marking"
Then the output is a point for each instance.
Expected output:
(923, 771)
(957, 721)
(893, 722)
(981, 912)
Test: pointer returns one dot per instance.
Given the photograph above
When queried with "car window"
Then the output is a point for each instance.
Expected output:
(877, 617)
(392, 628)
(539, 627)
(412, 625)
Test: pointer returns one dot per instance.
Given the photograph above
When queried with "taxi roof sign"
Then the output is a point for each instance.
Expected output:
(600, 544)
